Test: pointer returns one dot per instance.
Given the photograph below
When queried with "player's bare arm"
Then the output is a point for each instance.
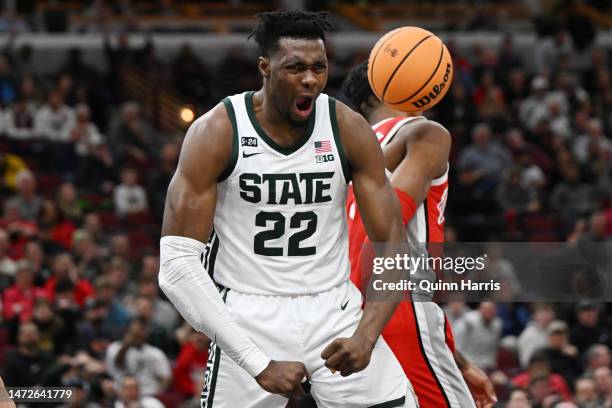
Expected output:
(427, 147)
(381, 214)
(478, 382)
(192, 195)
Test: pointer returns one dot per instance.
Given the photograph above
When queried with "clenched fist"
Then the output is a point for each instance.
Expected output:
(284, 378)
(348, 355)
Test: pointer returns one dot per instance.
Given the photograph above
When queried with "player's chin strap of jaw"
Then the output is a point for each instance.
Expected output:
(184, 280)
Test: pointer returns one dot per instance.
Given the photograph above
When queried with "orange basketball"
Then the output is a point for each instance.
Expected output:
(410, 69)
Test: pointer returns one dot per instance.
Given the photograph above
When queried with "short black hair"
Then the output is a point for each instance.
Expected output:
(356, 87)
(273, 25)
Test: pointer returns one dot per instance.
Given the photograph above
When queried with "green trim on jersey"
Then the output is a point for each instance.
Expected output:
(391, 404)
(208, 402)
(248, 99)
(234, 159)
(334, 123)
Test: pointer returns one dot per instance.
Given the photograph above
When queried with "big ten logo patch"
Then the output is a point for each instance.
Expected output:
(248, 141)
(324, 158)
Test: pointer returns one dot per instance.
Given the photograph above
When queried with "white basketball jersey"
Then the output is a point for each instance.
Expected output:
(280, 222)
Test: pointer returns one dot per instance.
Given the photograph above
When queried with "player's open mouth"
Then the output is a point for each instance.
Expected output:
(303, 105)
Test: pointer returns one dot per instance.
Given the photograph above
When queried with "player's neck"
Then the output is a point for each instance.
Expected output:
(381, 113)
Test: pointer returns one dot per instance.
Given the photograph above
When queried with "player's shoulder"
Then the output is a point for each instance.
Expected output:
(209, 141)
(216, 122)
(348, 119)
(424, 129)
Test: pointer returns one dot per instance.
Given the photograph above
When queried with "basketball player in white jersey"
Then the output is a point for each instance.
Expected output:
(416, 152)
(264, 174)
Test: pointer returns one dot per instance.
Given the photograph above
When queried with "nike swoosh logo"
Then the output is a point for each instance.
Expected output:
(245, 155)
(344, 305)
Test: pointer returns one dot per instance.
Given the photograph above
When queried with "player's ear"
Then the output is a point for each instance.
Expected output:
(263, 64)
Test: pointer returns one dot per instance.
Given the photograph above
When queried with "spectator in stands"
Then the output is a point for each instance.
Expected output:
(93, 227)
(539, 367)
(26, 201)
(131, 137)
(164, 314)
(10, 166)
(55, 231)
(235, 71)
(514, 196)
(116, 313)
(34, 253)
(594, 137)
(586, 393)
(572, 198)
(53, 118)
(130, 395)
(8, 267)
(535, 336)
(8, 82)
(161, 175)
(28, 365)
(132, 356)
(191, 77)
(149, 267)
(88, 259)
(50, 326)
(68, 202)
(19, 120)
(532, 175)
(534, 108)
(190, 363)
(597, 228)
(483, 162)
(121, 248)
(478, 333)
(603, 381)
(118, 271)
(158, 335)
(18, 300)
(598, 355)
(129, 196)
(454, 311)
(549, 51)
(588, 330)
(95, 332)
(64, 270)
(508, 59)
(82, 133)
(562, 355)
(519, 398)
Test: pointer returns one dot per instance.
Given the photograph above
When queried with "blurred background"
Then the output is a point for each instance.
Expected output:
(95, 98)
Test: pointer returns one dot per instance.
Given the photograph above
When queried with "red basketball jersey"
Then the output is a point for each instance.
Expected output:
(407, 328)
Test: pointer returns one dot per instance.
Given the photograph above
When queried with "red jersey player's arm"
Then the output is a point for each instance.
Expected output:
(207, 154)
(380, 210)
(427, 145)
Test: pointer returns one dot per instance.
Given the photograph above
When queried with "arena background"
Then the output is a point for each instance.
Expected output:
(96, 96)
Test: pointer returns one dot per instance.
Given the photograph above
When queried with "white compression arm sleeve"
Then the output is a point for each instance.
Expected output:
(184, 280)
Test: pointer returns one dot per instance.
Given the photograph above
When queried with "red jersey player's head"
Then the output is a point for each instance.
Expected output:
(359, 95)
(293, 60)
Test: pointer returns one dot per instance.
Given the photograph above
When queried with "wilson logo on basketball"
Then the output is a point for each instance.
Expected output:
(436, 90)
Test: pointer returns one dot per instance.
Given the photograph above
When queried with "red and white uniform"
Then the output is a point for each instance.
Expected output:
(418, 332)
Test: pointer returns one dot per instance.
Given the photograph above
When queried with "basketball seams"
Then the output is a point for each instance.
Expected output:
(391, 34)
(402, 61)
(428, 79)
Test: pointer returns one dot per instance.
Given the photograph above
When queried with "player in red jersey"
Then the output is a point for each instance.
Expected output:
(416, 154)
